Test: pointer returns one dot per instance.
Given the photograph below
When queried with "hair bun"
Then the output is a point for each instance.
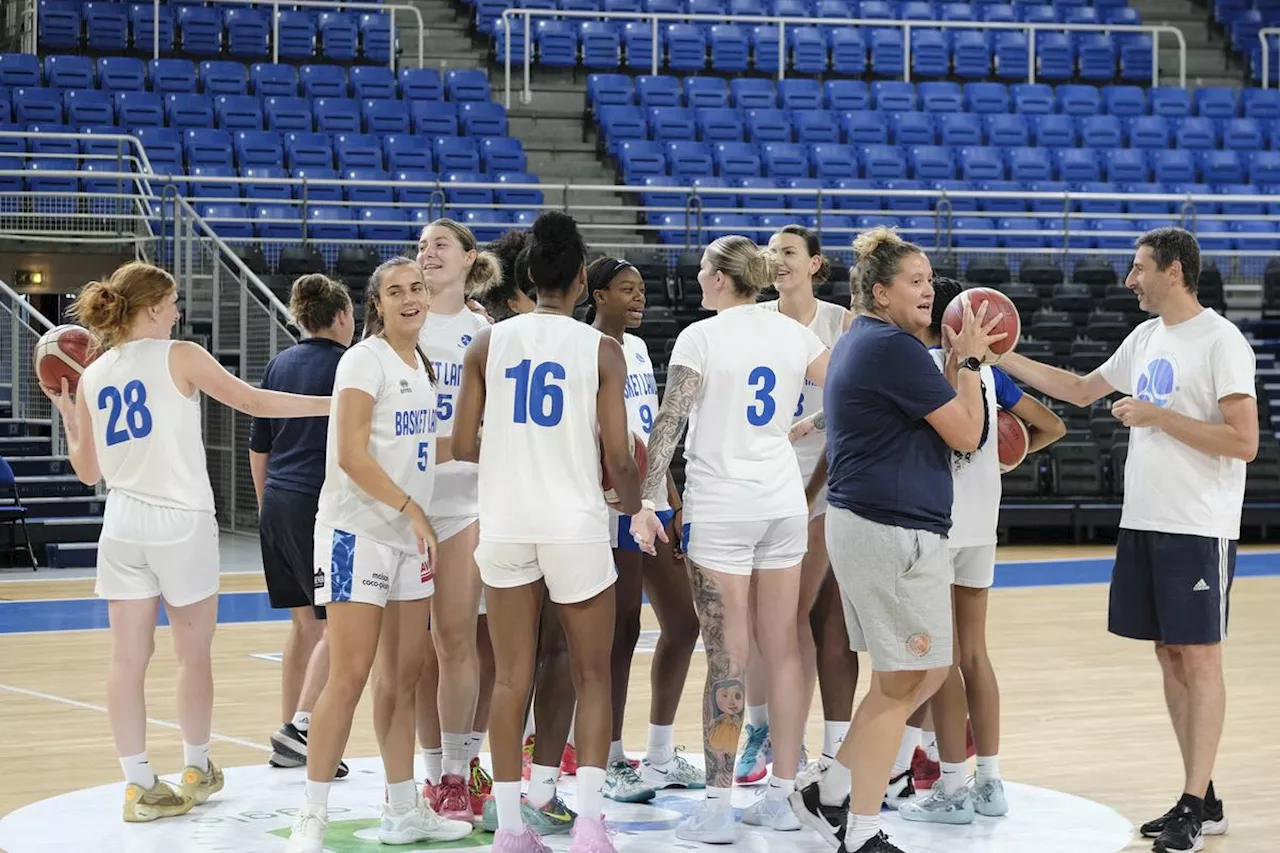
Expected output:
(555, 228)
(866, 243)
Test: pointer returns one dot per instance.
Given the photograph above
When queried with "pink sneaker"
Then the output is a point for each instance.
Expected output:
(451, 799)
(527, 841)
(590, 835)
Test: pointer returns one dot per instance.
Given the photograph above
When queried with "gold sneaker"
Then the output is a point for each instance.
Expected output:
(200, 785)
(160, 800)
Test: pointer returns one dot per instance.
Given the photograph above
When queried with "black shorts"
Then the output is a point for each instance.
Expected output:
(1172, 588)
(286, 531)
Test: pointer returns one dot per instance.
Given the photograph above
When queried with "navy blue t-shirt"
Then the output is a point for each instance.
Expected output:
(297, 445)
(885, 462)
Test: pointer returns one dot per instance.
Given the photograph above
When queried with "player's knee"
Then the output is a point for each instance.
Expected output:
(133, 658)
(346, 682)
(901, 687)
(681, 635)
(1200, 661)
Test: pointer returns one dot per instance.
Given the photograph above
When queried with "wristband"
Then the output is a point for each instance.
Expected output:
(648, 504)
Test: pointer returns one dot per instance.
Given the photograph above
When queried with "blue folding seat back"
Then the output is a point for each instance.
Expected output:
(43, 141)
(467, 84)
(267, 80)
(372, 82)
(1196, 133)
(894, 199)
(883, 162)
(709, 92)
(248, 32)
(312, 187)
(357, 151)
(122, 74)
(188, 111)
(1124, 101)
(1078, 165)
(339, 35)
(482, 118)
(1169, 102)
(1101, 131)
(1029, 164)
(200, 30)
(518, 195)
(1237, 208)
(106, 26)
(143, 30)
(1174, 166)
(323, 81)
(1048, 205)
(37, 105)
(276, 221)
(238, 112)
(718, 125)
(767, 126)
(932, 162)
(986, 97)
(387, 224)
(1104, 206)
(139, 109)
(668, 124)
(1243, 134)
(60, 72)
(730, 48)
(971, 53)
(913, 128)
(269, 188)
(639, 158)
(1032, 98)
(1149, 132)
(753, 93)
(1007, 130)
(847, 95)
(407, 152)
(376, 186)
(1055, 131)
(981, 163)
(658, 91)
(220, 77)
(296, 34)
(1143, 206)
(258, 148)
(1215, 102)
(637, 41)
(601, 44)
(865, 127)
(85, 107)
(421, 84)
(288, 114)
(434, 118)
(385, 115)
(800, 94)
(893, 95)
(331, 222)
(848, 51)
(941, 97)
(208, 147)
(1010, 202)
(337, 115)
(557, 43)
(308, 150)
(689, 159)
(815, 126)
(1258, 103)
(376, 36)
(887, 52)
(455, 154)
(1077, 100)
(163, 145)
(172, 75)
(736, 159)
(754, 196)
(1221, 167)
(808, 49)
(960, 129)
(790, 160)
(59, 26)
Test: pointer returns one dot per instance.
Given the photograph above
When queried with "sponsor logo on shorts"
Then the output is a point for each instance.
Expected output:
(919, 644)
(425, 575)
(318, 580)
(379, 581)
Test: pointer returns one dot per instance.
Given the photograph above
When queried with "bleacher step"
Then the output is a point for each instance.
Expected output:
(71, 555)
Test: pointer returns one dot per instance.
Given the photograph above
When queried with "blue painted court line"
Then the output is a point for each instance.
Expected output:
(80, 614)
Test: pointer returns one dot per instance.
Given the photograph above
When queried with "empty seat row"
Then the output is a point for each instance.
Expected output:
(226, 77)
(235, 222)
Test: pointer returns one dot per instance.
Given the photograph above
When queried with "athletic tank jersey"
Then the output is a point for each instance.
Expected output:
(641, 393)
(540, 454)
(739, 465)
(828, 325)
(444, 340)
(146, 433)
(402, 440)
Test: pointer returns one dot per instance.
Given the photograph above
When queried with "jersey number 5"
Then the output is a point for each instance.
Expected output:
(537, 398)
(133, 404)
(761, 410)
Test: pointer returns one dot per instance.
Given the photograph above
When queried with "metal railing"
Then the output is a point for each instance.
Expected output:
(336, 5)
(1154, 30)
(1264, 34)
(21, 326)
(28, 25)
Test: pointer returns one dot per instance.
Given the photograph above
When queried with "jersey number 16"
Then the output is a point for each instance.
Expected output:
(537, 398)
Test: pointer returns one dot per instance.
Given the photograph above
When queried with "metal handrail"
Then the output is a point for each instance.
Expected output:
(1263, 34)
(337, 5)
(27, 308)
(906, 26)
(143, 160)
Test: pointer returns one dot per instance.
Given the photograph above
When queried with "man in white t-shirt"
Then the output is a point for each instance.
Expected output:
(1193, 416)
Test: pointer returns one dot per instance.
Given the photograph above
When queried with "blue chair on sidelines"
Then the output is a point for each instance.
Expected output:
(14, 515)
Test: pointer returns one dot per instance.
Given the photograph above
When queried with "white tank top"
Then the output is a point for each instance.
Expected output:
(402, 441)
(540, 454)
(641, 394)
(739, 464)
(146, 433)
(975, 478)
(444, 340)
(828, 325)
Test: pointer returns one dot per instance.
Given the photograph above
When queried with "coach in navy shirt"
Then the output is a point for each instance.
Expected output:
(287, 460)
(892, 420)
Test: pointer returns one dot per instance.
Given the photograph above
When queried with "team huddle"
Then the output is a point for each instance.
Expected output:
(433, 516)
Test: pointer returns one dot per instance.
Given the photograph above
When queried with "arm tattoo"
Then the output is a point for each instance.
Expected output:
(725, 694)
(820, 421)
(683, 386)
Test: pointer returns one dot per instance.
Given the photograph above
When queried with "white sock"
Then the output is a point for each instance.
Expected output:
(591, 792)
(318, 793)
(988, 768)
(721, 797)
(833, 732)
(454, 749)
(302, 721)
(758, 715)
(616, 752)
(660, 744)
(834, 785)
(780, 789)
(195, 755)
(929, 740)
(137, 769)
(953, 776)
(506, 796)
(906, 749)
(542, 784)
(402, 796)
(860, 829)
(433, 758)
(473, 748)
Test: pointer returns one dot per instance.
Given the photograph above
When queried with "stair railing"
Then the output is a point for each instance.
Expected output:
(21, 326)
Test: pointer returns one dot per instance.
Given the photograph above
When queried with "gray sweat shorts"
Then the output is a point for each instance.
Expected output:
(895, 585)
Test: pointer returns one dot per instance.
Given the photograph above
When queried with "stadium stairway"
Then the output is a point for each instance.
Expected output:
(1210, 61)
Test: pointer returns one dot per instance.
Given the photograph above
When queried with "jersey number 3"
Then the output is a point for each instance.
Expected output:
(133, 405)
(760, 411)
(538, 399)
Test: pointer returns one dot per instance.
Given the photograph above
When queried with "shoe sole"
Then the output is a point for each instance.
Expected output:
(642, 797)
(283, 761)
(397, 839)
(812, 821)
(751, 778)
(731, 838)
(1209, 827)
(928, 817)
(289, 748)
(795, 828)
(1197, 845)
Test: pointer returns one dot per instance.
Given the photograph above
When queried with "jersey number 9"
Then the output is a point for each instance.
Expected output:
(537, 398)
(133, 405)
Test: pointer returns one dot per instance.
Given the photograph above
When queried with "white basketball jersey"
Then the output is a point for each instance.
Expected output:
(739, 464)
(641, 393)
(828, 325)
(540, 454)
(444, 340)
(975, 478)
(402, 441)
(145, 432)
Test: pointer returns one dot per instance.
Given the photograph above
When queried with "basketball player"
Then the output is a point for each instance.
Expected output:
(802, 268)
(550, 392)
(971, 545)
(134, 422)
(375, 552)
(508, 295)
(452, 266)
(617, 293)
(1191, 409)
(286, 458)
(733, 376)
(892, 419)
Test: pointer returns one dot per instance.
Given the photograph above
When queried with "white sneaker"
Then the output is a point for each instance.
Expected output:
(901, 789)
(712, 823)
(773, 814)
(624, 785)
(418, 823)
(811, 773)
(307, 835)
(676, 773)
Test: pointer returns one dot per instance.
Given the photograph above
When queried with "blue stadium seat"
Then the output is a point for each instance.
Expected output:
(314, 191)
(887, 52)
(1032, 98)
(407, 152)
(868, 201)
(960, 129)
(1124, 101)
(37, 105)
(172, 75)
(288, 114)
(516, 195)
(1237, 208)
(833, 162)
(912, 128)
(930, 53)
(60, 72)
(200, 30)
(388, 224)
(1096, 54)
(1174, 166)
(883, 162)
(736, 160)
(848, 51)
(556, 42)
(767, 126)
(256, 148)
(971, 52)
(816, 126)
(248, 32)
(373, 82)
(981, 163)
(941, 97)
(1011, 202)
(932, 163)
(296, 35)
(688, 159)
(434, 118)
(708, 92)
(238, 112)
(753, 196)
(601, 44)
(45, 143)
(377, 188)
(1221, 167)
(482, 118)
(331, 222)
(23, 69)
(1100, 206)
(143, 29)
(357, 151)
(229, 219)
(847, 95)
(276, 221)
(376, 36)
(162, 144)
(205, 146)
(337, 115)
(1029, 164)
(895, 201)
(202, 188)
(1101, 131)
(1055, 131)
(86, 107)
(384, 115)
(417, 195)
(323, 81)
(753, 93)
(1197, 133)
(1010, 240)
(267, 189)
(718, 125)
(188, 111)
(311, 150)
(1215, 102)
(1144, 207)
(1126, 166)
(658, 91)
(273, 80)
(467, 84)
(638, 158)
(223, 78)
(865, 127)
(637, 41)
(619, 122)
(789, 160)
(1265, 168)
(893, 95)
(686, 46)
(421, 84)
(1149, 132)
(667, 124)
(1049, 205)
(807, 47)
(730, 48)
(800, 94)
(457, 155)
(1243, 134)
(1256, 103)
(59, 26)
(1077, 100)
(139, 109)
(986, 97)
(1007, 130)
(1076, 165)
(1169, 102)
(339, 36)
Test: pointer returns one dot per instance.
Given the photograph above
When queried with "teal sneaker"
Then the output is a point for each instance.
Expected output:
(754, 759)
(555, 818)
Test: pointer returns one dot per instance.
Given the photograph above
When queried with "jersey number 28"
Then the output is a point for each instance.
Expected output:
(538, 399)
(133, 405)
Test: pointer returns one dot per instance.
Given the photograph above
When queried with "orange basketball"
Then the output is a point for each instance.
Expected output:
(63, 352)
(997, 303)
(641, 454)
(1012, 440)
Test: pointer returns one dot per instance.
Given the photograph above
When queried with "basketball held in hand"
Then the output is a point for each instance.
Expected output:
(641, 455)
(63, 352)
(1012, 440)
(997, 305)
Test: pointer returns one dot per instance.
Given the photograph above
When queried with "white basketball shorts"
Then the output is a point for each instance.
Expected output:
(356, 568)
(741, 547)
(573, 572)
(146, 550)
(975, 566)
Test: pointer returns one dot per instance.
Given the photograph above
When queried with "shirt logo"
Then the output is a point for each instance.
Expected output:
(1158, 382)
(640, 358)
(405, 387)
(464, 342)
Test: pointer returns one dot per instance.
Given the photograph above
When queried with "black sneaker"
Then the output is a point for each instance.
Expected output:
(289, 749)
(878, 844)
(827, 821)
(1215, 821)
(902, 789)
(1181, 834)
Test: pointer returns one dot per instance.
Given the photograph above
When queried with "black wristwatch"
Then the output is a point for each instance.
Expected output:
(971, 363)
